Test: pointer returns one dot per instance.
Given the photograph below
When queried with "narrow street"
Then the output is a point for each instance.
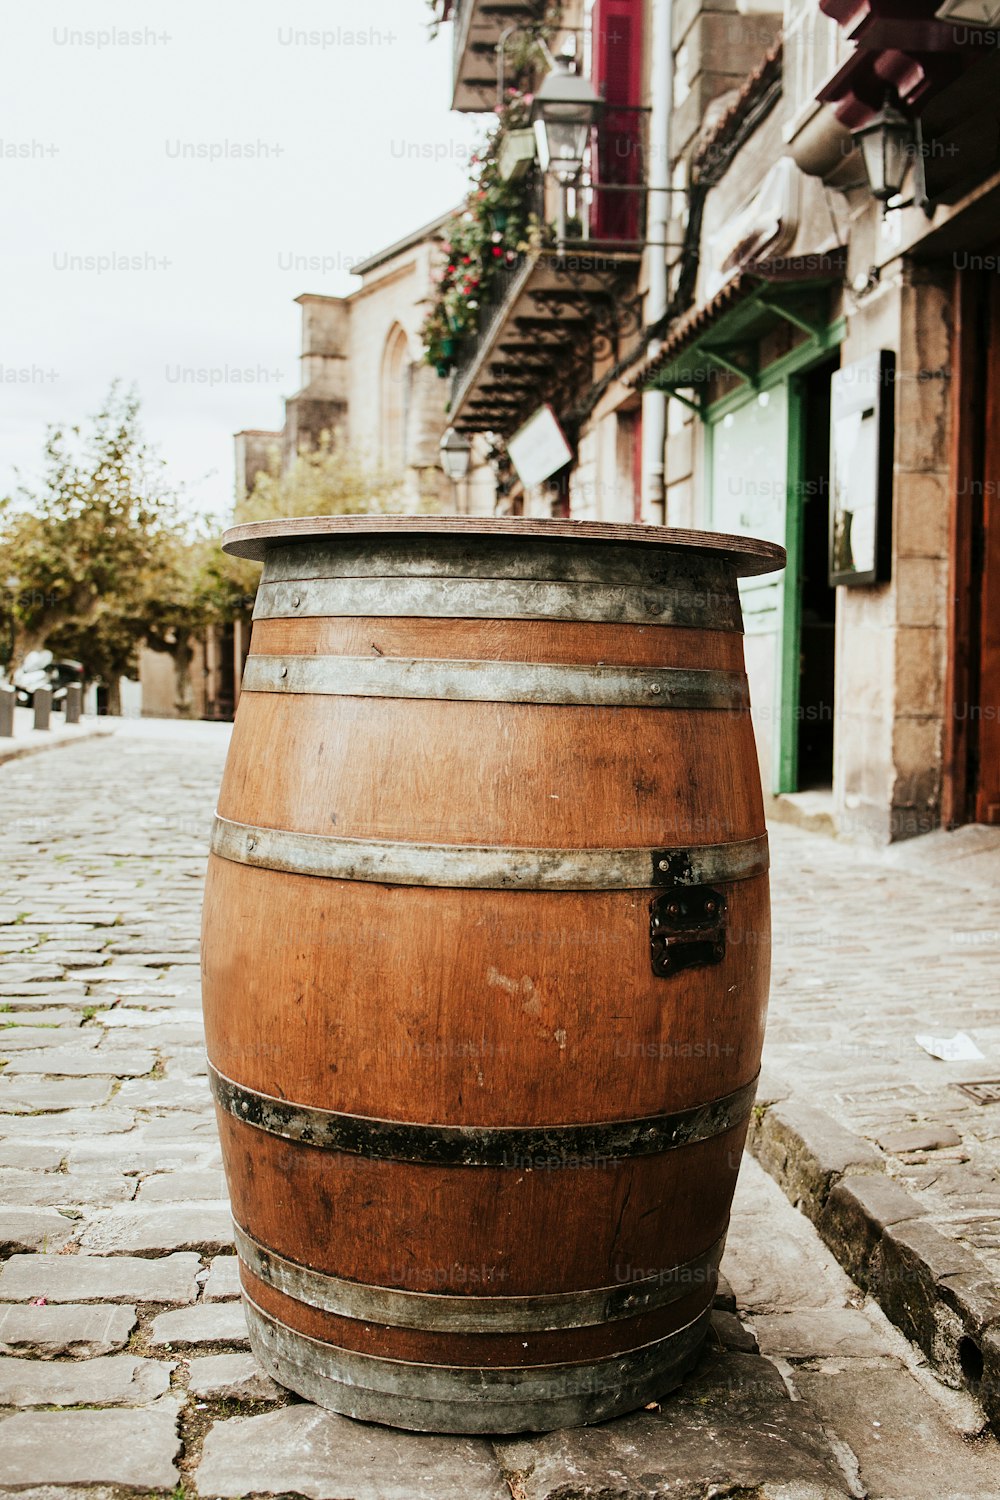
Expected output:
(124, 1365)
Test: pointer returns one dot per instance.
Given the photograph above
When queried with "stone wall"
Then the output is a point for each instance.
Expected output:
(256, 450)
(167, 693)
(892, 638)
(716, 48)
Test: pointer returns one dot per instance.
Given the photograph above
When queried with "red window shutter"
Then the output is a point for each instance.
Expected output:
(617, 162)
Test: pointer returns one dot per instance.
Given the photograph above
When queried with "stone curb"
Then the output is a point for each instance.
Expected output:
(936, 1291)
(12, 750)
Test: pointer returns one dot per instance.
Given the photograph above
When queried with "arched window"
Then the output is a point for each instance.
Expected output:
(396, 376)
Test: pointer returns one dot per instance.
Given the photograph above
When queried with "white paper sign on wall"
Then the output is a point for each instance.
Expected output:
(539, 448)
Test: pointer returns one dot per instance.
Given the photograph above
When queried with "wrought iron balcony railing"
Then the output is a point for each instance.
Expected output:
(491, 312)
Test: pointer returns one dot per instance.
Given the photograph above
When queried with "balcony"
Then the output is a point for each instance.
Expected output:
(556, 316)
(558, 313)
(478, 27)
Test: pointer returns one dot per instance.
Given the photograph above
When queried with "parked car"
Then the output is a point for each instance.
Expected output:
(40, 669)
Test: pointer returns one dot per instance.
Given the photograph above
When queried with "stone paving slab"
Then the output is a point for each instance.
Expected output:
(898, 1454)
(325, 1457)
(72, 1125)
(85, 1278)
(136, 1155)
(33, 1156)
(80, 1063)
(231, 1377)
(28, 1096)
(14, 1038)
(25, 1229)
(112, 1380)
(727, 1431)
(58, 1189)
(183, 1187)
(209, 1323)
(70, 1022)
(66, 1329)
(810, 1333)
(133, 1448)
(224, 1281)
(161, 1229)
(29, 993)
(166, 1095)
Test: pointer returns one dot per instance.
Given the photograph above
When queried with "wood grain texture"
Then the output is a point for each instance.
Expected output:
(572, 643)
(480, 1230)
(255, 540)
(468, 1007)
(551, 776)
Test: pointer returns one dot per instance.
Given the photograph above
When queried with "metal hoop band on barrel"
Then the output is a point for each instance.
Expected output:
(440, 1313)
(592, 1145)
(496, 681)
(502, 557)
(501, 599)
(488, 867)
(450, 1398)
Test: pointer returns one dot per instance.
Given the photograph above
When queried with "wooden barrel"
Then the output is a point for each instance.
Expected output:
(486, 952)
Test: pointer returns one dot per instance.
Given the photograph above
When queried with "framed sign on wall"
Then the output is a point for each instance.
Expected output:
(861, 443)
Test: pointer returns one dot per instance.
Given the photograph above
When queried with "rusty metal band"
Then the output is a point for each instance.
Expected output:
(677, 603)
(440, 1313)
(380, 555)
(465, 1398)
(486, 867)
(588, 1146)
(497, 682)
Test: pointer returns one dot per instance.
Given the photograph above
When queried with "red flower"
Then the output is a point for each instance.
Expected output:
(497, 250)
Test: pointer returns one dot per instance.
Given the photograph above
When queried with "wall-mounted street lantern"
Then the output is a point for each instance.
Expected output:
(456, 455)
(887, 146)
(564, 112)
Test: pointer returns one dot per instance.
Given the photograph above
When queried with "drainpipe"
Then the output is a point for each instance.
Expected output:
(654, 403)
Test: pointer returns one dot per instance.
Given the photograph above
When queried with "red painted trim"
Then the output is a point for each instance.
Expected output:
(617, 159)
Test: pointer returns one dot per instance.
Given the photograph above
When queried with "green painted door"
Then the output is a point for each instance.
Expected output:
(753, 465)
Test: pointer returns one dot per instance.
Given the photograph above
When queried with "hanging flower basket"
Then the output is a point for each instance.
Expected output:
(517, 152)
(493, 228)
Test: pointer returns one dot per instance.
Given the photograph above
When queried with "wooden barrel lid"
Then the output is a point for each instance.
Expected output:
(749, 555)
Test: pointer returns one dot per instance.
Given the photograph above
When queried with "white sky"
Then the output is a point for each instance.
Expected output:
(355, 146)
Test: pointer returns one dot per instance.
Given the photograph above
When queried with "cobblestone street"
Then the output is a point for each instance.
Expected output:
(896, 953)
(124, 1364)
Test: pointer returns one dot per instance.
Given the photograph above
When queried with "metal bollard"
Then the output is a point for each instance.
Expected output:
(8, 697)
(74, 703)
(42, 698)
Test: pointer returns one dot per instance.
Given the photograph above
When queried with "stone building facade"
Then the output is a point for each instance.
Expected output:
(789, 286)
(364, 377)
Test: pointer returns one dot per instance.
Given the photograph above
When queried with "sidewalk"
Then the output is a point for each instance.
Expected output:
(872, 950)
(26, 740)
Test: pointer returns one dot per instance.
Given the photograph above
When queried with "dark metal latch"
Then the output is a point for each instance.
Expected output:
(687, 929)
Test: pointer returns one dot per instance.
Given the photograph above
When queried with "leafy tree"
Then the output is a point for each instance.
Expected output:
(96, 560)
(332, 479)
(97, 549)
